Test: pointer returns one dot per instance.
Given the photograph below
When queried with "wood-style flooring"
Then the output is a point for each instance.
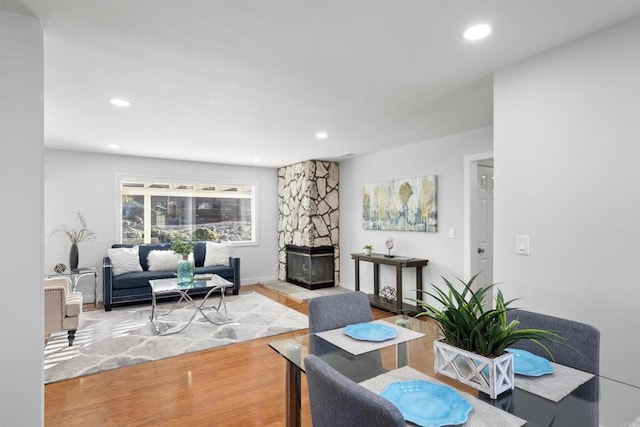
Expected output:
(236, 385)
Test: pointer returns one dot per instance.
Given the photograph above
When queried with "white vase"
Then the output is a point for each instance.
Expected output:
(489, 375)
(367, 251)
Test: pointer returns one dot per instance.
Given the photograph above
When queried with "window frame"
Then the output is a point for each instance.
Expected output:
(189, 181)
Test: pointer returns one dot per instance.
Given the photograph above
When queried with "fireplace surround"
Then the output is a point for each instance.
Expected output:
(311, 268)
(309, 216)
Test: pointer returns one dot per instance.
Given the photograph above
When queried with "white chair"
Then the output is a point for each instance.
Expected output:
(62, 308)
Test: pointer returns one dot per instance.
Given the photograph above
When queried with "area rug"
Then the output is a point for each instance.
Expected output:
(298, 293)
(125, 336)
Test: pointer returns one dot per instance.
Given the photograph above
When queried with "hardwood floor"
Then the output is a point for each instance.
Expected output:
(239, 384)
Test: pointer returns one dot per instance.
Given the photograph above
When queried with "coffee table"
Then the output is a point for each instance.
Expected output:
(170, 286)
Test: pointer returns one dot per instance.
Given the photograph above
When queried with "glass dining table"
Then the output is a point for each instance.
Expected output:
(598, 402)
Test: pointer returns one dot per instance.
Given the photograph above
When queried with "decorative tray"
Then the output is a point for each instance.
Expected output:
(428, 404)
(370, 332)
(525, 363)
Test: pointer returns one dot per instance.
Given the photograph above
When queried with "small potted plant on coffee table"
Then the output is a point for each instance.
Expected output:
(367, 249)
(472, 349)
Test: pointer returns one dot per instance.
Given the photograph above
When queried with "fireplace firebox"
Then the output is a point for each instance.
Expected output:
(311, 268)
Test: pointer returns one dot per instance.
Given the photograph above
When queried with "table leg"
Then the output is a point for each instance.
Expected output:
(357, 274)
(293, 395)
(399, 289)
(184, 296)
(402, 354)
(419, 283)
(74, 279)
(153, 317)
(95, 284)
(376, 278)
(221, 303)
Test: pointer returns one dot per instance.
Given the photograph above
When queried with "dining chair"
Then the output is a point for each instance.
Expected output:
(339, 310)
(582, 350)
(337, 401)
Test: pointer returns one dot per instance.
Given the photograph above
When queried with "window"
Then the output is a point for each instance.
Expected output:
(154, 211)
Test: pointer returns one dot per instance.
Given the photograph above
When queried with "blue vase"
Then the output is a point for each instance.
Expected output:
(185, 272)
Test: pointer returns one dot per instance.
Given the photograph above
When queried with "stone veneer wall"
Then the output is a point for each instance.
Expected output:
(308, 210)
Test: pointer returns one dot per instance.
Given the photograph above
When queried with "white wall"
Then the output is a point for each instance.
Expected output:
(21, 295)
(442, 157)
(87, 182)
(567, 143)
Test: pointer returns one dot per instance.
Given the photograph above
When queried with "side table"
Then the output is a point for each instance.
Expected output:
(399, 263)
(74, 276)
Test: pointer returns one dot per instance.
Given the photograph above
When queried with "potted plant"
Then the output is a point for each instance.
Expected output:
(367, 249)
(472, 349)
(76, 235)
(182, 245)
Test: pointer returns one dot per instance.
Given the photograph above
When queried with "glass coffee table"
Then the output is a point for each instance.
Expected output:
(170, 287)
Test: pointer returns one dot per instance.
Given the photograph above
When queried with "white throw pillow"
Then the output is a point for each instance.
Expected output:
(163, 260)
(124, 260)
(216, 254)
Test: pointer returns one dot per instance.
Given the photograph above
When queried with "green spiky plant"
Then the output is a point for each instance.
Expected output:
(466, 324)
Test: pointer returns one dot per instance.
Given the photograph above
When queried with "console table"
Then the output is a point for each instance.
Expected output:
(400, 263)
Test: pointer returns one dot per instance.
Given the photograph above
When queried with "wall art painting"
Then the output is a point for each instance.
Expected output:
(402, 205)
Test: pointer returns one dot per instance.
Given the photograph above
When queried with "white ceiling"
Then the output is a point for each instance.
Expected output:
(237, 81)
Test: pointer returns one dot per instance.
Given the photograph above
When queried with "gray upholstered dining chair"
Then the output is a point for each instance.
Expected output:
(584, 354)
(583, 339)
(337, 401)
(336, 311)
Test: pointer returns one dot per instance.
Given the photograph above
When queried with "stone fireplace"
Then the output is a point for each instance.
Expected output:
(308, 218)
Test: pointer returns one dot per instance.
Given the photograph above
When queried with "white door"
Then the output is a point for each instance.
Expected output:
(482, 225)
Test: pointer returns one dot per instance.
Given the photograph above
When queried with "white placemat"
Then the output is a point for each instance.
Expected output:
(554, 386)
(482, 414)
(356, 347)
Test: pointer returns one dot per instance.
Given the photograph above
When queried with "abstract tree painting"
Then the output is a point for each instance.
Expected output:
(402, 205)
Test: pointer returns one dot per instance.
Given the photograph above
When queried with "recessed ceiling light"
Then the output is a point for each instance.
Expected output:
(477, 32)
(322, 135)
(113, 146)
(119, 102)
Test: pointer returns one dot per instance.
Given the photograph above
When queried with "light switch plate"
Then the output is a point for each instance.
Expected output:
(452, 232)
(522, 245)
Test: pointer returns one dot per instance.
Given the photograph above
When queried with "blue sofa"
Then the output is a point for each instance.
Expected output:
(134, 287)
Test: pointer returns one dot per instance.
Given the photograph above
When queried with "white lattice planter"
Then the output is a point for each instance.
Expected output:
(491, 376)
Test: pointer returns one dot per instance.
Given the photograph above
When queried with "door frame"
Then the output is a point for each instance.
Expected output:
(469, 174)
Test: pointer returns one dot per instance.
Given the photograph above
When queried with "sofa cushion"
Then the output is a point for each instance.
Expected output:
(199, 250)
(124, 260)
(163, 260)
(216, 254)
(143, 250)
(146, 248)
(139, 279)
(224, 271)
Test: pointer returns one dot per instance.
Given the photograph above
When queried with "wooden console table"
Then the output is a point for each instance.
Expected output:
(400, 263)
